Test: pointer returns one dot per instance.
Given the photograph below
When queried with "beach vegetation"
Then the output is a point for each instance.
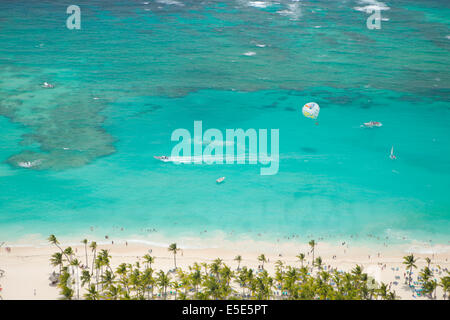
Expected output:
(218, 281)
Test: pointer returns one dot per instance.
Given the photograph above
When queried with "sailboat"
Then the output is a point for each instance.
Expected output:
(392, 156)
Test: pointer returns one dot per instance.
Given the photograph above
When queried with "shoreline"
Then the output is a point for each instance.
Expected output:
(27, 268)
(221, 240)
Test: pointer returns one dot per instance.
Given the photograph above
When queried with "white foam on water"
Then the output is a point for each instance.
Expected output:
(29, 164)
(246, 157)
(369, 6)
(224, 158)
(170, 2)
(249, 53)
(259, 4)
(293, 11)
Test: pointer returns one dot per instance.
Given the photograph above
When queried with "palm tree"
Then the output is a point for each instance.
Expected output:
(226, 274)
(122, 272)
(67, 293)
(52, 239)
(212, 287)
(279, 265)
(301, 257)
(85, 242)
(75, 263)
(410, 264)
(242, 280)
(129, 281)
(263, 284)
(69, 253)
(163, 281)
(279, 273)
(428, 260)
(357, 271)
(149, 260)
(445, 284)
(93, 247)
(312, 244)
(383, 291)
(175, 285)
(185, 283)
(318, 263)
(114, 292)
(238, 258)
(196, 277)
(290, 283)
(92, 293)
(85, 278)
(262, 258)
(135, 282)
(107, 279)
(105, 257)
(64, 284)
(57, 260)
(173, 248)
(215, 267)
(427, 285)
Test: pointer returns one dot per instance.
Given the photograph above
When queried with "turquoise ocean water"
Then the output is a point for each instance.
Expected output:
(137, 70)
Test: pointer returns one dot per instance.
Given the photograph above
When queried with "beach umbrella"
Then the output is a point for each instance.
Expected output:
(54, 278)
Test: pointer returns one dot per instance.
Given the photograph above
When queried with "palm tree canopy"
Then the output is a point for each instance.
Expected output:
(52, 239)
(173, 248)
(93, 245)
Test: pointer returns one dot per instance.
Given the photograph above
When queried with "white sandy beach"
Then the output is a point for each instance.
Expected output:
(27, 268)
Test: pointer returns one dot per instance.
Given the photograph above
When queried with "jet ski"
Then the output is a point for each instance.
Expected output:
(372, 124)
(47, 85)
(162, 158)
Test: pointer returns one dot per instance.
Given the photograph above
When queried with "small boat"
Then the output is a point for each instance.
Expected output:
(47, 85)
(220, 180)
(29, 164)
(392, 156)
(372, 124)
(25, 164)
(162, 158)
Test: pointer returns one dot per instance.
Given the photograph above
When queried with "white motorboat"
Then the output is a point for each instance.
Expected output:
(220, 180)
(372, 124)
(47, 85)
(162, 158)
